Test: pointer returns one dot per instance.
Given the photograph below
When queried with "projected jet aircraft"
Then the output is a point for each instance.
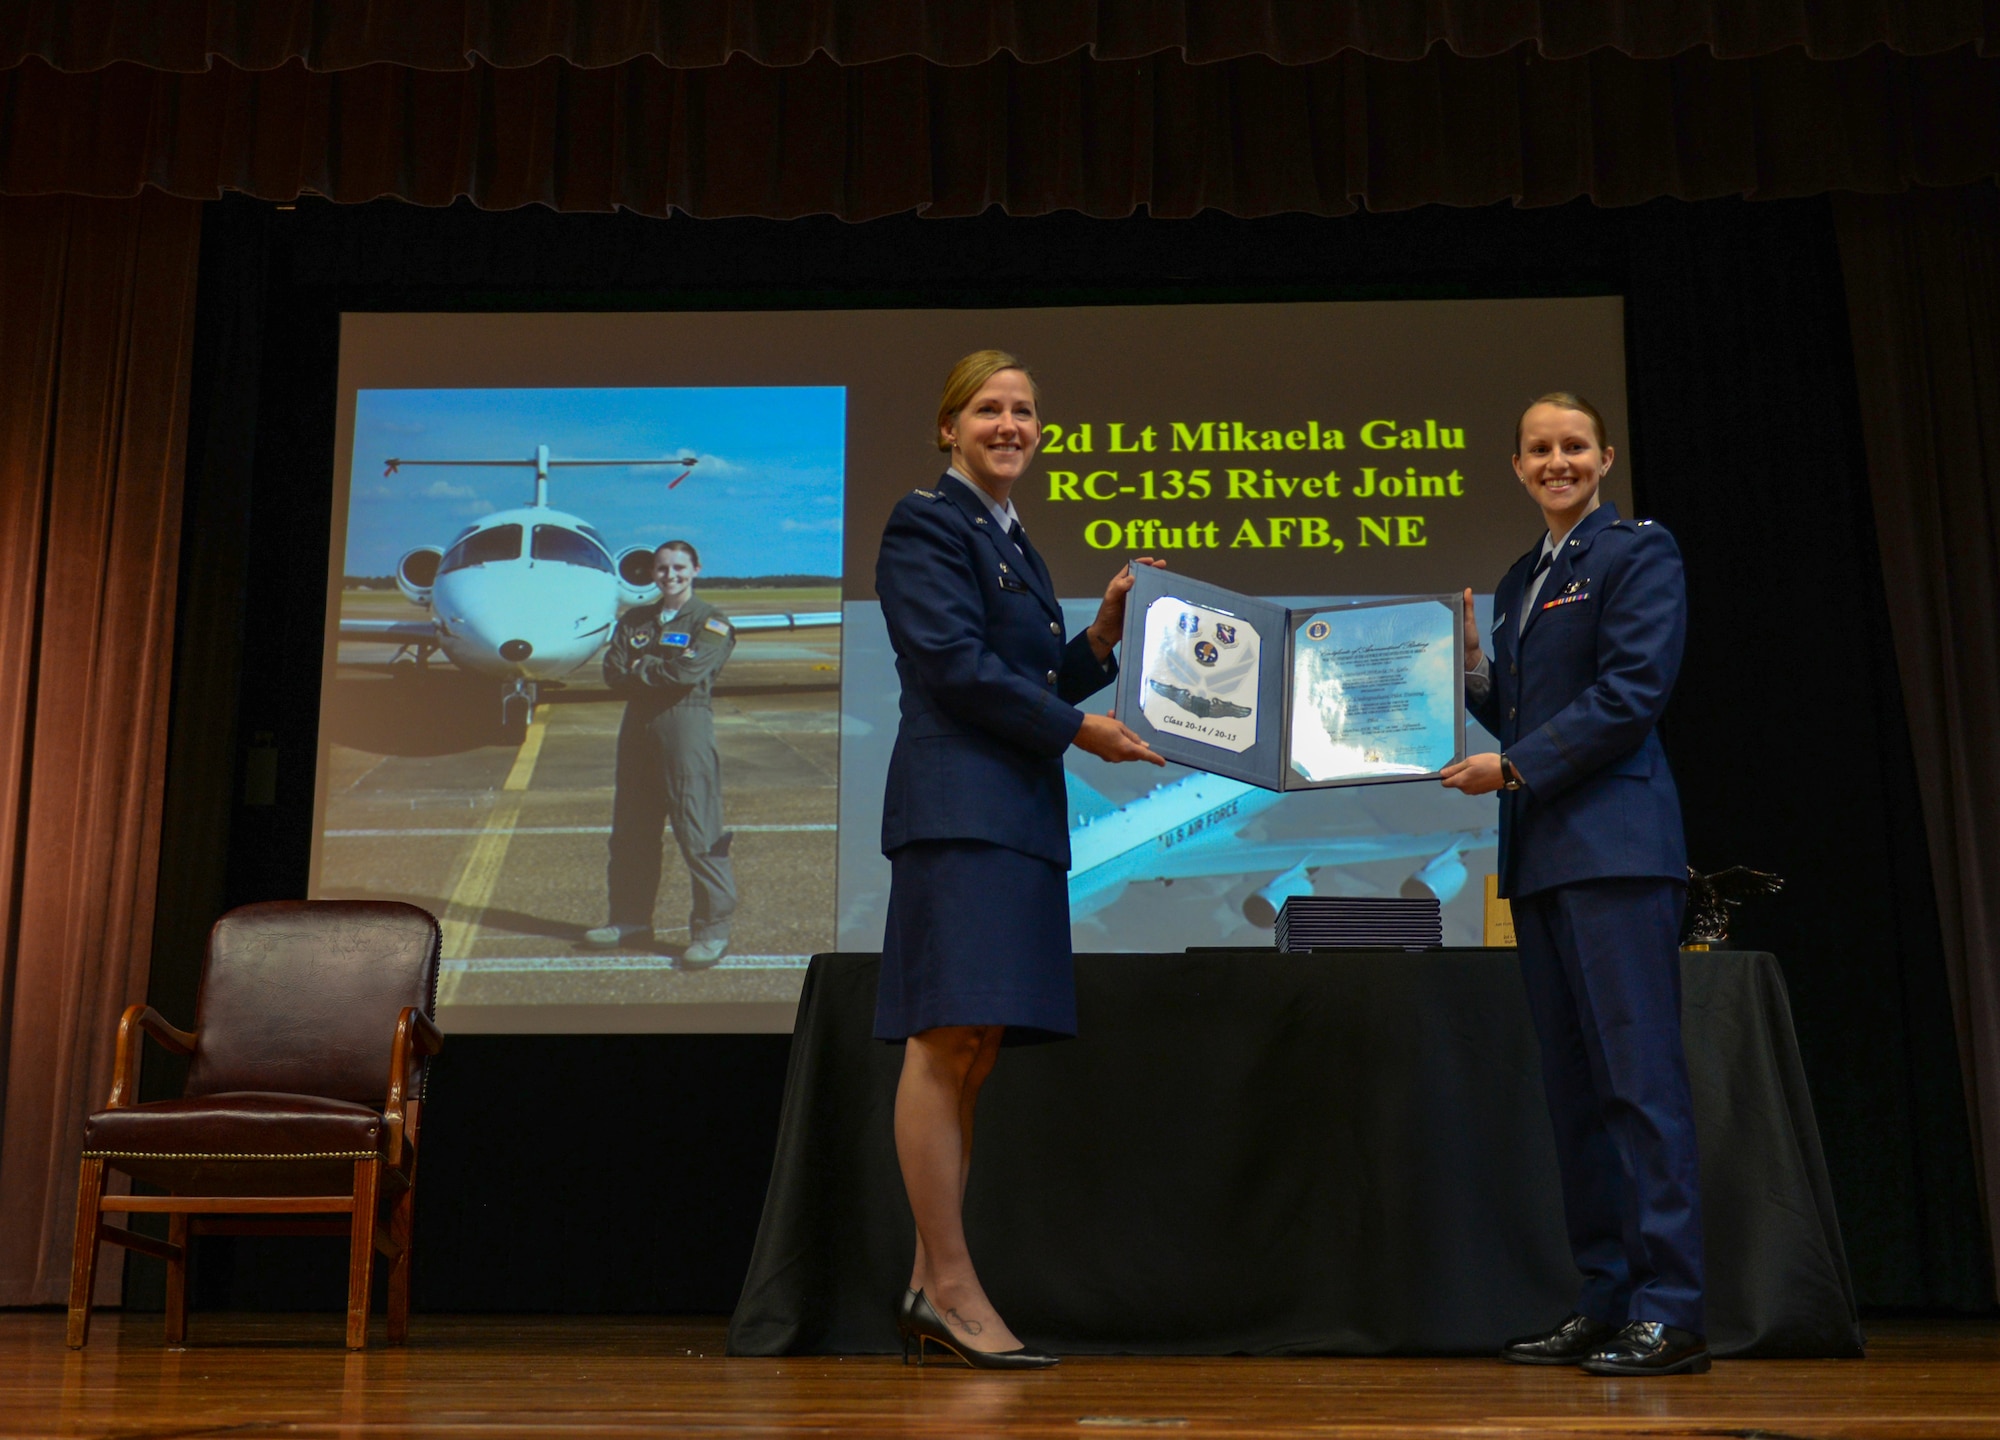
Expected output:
(1192, 828)
(529, 595)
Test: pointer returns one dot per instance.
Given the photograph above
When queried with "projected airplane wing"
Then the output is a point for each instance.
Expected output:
(390, 632)
(803, 620)
(1234, 857)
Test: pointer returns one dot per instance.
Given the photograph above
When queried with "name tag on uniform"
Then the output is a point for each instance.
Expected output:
(676, 637)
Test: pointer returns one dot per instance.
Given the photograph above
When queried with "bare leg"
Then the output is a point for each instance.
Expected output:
(982, 1066)
(934, 1106)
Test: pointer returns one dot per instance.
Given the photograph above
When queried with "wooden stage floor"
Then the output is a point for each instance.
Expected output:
(248, 1377)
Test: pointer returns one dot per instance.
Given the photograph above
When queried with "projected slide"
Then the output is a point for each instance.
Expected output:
(494, 538)
(504, 480)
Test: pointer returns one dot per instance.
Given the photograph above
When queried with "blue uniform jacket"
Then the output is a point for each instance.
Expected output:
(1574, 700)
(989, 684)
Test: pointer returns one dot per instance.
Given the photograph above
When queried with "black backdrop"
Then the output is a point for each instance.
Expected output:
(584, 1175)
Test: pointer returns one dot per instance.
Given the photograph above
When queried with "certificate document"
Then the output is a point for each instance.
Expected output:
(1373, 692)
(1332, 693)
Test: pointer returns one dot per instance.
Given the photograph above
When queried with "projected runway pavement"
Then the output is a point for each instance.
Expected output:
(505, 842)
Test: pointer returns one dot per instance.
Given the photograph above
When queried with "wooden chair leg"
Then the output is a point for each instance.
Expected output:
(402, 1230)
(361, 1250)
(177, 1278)
(83, 1260)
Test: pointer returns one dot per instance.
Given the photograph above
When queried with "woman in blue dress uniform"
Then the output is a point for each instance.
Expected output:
(1587, 640)
(974, 820)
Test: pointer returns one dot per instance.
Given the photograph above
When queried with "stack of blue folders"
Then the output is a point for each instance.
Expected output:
(1359, 922)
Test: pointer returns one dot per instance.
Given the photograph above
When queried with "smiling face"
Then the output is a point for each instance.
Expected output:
(674, 572)
(994, 437)
(1560, 464)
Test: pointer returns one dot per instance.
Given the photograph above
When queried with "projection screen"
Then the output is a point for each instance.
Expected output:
(501, 481)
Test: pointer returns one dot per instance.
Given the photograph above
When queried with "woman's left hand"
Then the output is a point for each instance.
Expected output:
(1474, 775)
(1106, 630)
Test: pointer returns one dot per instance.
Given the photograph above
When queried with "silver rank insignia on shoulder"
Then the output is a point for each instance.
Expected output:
(927, 494)
(1644, 522)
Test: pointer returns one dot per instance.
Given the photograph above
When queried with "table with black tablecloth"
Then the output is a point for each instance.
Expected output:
(1248, 1152)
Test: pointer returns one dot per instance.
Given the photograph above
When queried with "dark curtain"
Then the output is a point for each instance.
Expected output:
(1787, 730)
(1923, 287)
(202, 783)
(448, 34)
(1248, 136)
(96, 312)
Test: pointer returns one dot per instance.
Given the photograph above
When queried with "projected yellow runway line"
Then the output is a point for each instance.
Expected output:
(471, 888)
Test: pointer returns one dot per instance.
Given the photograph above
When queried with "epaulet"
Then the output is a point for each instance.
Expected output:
(928, 494)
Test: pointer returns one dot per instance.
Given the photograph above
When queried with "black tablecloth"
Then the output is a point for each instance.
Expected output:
(1274, 1154)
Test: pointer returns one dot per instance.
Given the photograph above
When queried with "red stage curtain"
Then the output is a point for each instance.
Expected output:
(96, 318)
(1250, 137)
(1923, 289)
(449, 34)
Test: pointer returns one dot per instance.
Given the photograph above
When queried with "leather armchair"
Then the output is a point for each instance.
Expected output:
(304, 1097)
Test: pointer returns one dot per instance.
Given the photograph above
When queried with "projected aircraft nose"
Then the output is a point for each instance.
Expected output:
(516, 650)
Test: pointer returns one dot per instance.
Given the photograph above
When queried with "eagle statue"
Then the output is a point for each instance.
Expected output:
(1711, 897)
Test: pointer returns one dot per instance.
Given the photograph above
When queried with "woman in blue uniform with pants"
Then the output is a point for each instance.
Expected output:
(1587, 635)
(974, 820)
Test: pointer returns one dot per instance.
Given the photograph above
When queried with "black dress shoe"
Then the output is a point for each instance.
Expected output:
(922, 1327)
(1646, 1347)
(1568, 1343)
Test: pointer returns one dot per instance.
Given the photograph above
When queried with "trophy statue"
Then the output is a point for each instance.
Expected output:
(1710, 899)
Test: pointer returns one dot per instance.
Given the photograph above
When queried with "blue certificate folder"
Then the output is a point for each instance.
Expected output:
(1340, 693)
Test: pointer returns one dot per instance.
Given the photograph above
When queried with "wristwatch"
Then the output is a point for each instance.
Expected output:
(1510, 778)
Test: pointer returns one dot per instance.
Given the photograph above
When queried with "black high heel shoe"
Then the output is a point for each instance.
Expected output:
(919, 1326)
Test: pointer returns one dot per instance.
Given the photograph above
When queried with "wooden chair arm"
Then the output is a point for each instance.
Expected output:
(134, 1025)
(413, 1027)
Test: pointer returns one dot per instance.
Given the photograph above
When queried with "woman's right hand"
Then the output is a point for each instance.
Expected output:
(1109, 738)
(1472, 651)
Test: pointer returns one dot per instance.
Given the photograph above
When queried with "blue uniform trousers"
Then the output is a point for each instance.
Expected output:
(1601, 961)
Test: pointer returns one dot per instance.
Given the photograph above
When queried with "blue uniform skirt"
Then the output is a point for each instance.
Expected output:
(977, 935)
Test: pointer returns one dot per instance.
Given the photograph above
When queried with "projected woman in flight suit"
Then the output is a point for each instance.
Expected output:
(663, 659)
(1587, 636)
(974, 820)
